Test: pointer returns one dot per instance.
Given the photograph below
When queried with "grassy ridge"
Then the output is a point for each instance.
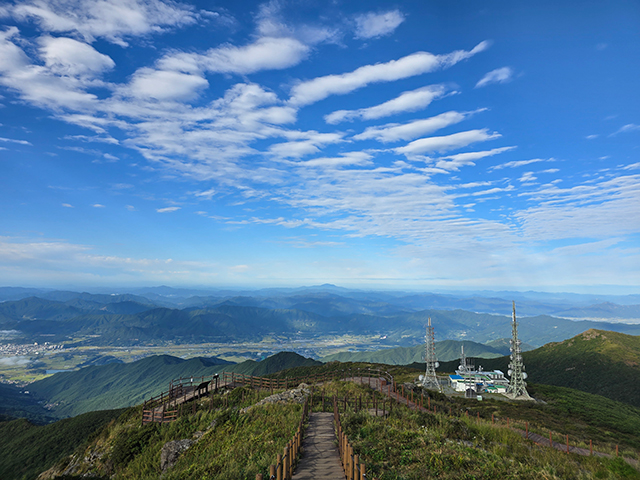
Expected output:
(29, 449)
(410, 445)
(230, 444)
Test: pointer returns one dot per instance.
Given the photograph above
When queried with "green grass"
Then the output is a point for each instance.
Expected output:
(233, 445)
(29, 449)
(410, 445)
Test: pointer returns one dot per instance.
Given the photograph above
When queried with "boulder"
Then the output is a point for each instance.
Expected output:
(171, 451)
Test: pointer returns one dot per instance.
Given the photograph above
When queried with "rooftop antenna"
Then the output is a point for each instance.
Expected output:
(430, 380)
(517, 386)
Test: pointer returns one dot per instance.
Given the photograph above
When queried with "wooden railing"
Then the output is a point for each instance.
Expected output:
(353, 468)
(285, 463)
(164, 407)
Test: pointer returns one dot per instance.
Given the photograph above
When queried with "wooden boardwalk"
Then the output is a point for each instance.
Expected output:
(320, 458)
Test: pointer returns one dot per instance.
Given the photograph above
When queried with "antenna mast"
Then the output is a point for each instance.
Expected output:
(430, 379)
(517, 387)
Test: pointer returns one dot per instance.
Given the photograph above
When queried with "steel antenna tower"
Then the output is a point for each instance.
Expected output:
(430, 380)
(517, 386)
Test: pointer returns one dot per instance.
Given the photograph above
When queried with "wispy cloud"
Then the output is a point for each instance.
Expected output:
(519, 163)
(374, 25)
(167, 209)
(13, 140)
(630, 127)
(499, 75)
(406, 102)
(393, 132)
(447, 142)
(455, 162)
(319, 88)
(113, 20)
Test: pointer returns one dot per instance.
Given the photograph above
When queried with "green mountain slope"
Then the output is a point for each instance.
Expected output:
(118, 385)
(29, 449)
(15, 404)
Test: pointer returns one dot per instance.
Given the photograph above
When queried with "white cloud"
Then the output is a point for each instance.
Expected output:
(418, 63)
(306, 143)
(406, 102)
(37, 84)
(455, 162)
(527, 178)
(609, 207)
(519, 163)
(271, 23)
(66, 56)
(166, 85)
(591, 137)
(67, 205)
(167, 209)
(393, 132)
(499, 75)
(265, 53)
(374, 25)
(97, 205)
(50, 260)
(448, 142)
(630, 127)
(14, 361)
(205, 194)
(112, 20)
(13, 140)
(346, 159)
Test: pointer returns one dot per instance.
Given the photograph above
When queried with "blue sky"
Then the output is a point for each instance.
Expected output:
(423, 145)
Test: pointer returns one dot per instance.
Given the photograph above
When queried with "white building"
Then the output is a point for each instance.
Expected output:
(479, 380)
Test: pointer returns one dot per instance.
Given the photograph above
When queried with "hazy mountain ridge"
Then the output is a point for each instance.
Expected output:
(122, 320)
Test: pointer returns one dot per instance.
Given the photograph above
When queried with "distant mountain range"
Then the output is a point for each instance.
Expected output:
(129, 319)
(446, 350)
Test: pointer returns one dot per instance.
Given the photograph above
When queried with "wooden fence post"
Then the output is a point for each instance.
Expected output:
(258, 476)
(567, 443)
(272, 471)
(279, 467)
(356, 465)
(550, 440)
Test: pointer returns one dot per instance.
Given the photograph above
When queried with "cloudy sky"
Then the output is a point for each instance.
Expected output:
(418, 144)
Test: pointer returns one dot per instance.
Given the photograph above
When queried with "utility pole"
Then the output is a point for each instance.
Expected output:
(430, 380)
(517, 387)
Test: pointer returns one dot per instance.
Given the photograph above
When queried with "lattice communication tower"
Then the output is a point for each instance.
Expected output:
(517, 386)
(430, 380)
